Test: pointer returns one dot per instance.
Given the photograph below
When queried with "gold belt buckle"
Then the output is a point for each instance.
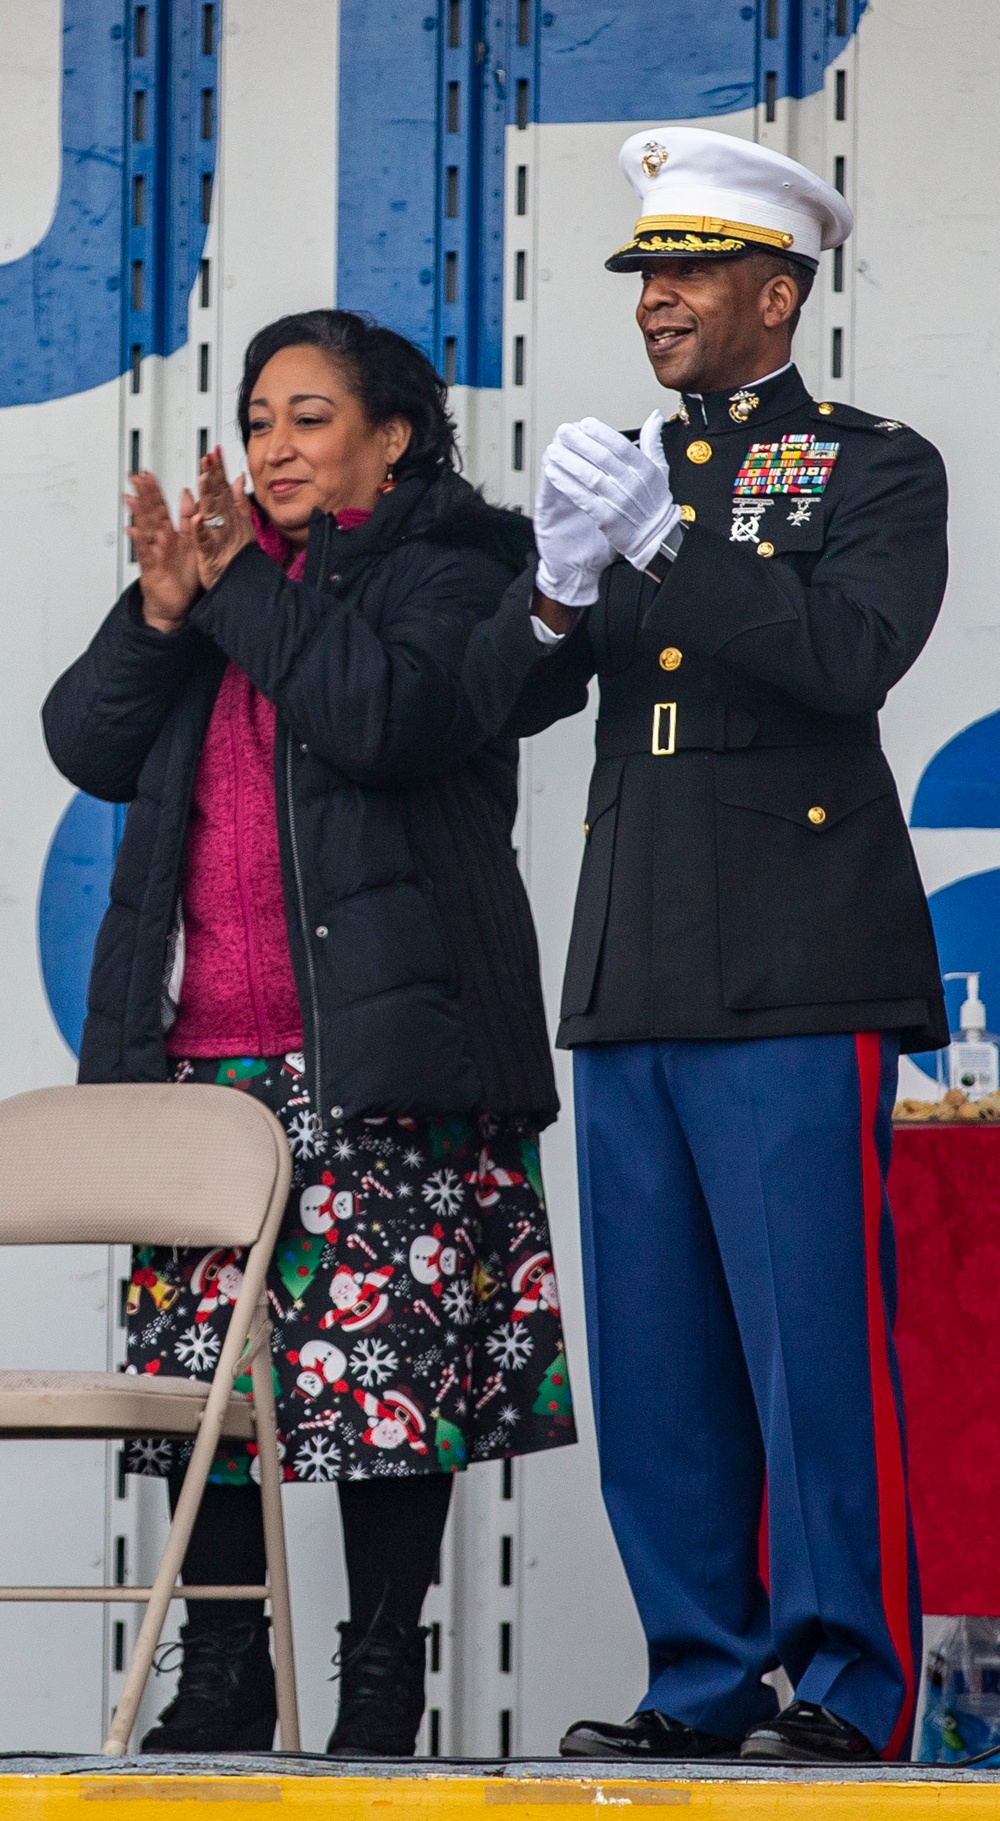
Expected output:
(661, 751)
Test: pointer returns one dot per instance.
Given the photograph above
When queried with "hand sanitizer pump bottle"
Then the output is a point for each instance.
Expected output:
(973, 1056)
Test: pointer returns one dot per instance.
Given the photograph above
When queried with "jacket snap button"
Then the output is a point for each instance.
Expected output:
(817, 816)
(336, 578)
(670, 659)
(321, 929)
(336, 1112)
(302, 746)
(765, 549)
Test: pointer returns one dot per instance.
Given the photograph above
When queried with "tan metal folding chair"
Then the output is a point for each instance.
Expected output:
(156, 1165)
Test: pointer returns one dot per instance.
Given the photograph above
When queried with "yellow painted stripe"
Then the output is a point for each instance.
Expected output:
(118, 1798)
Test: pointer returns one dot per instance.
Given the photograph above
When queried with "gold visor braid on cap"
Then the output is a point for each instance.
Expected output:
(711, 224)
(687, 243)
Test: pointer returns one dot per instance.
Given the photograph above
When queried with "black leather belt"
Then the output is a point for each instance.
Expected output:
(665, 728)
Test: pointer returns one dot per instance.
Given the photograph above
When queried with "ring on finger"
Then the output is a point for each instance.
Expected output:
(215, 523)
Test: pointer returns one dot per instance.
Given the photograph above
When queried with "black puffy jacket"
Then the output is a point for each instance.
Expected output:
(411, 936)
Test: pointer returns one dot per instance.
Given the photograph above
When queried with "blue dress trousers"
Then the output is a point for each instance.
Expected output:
(740, 1281)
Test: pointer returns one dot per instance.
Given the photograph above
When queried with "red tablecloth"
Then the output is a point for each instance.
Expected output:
(945, 1193)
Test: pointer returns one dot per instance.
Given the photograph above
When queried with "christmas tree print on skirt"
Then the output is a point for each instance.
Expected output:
(554, 1398)
(450, 1444)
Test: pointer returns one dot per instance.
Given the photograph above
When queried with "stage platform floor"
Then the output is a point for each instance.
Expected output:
(50, 1787)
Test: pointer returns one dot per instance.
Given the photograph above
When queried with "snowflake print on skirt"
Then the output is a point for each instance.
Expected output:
(412, 1292)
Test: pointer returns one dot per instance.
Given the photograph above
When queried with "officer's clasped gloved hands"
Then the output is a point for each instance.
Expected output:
(572, 551)
(623, 487)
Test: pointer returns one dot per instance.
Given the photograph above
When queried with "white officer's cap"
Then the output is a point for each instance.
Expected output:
(712, 196)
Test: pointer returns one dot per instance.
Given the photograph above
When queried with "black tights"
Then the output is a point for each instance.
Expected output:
(392, 1538)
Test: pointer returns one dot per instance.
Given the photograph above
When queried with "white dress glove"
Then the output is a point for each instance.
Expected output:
(623, 487)
(572, 551)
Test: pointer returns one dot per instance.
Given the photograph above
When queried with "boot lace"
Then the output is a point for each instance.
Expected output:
(343, 1661)
(381, 1688)
(211, 1664)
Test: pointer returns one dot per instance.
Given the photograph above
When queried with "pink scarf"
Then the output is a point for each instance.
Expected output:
(238, 996)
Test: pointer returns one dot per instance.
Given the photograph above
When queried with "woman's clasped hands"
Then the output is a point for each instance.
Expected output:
(177, 562)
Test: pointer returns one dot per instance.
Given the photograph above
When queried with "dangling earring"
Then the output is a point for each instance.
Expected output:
(388, 484)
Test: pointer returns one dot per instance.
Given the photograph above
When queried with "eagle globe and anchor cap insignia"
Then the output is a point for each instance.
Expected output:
(654, 157)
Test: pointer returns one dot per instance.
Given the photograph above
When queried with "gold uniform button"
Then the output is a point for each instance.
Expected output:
(699, 452)
(765, 549)
(825, 410)
(817, 816)
(670, 659)
(586, 828)
(688, 515)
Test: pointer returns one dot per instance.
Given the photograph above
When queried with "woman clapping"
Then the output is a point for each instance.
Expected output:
(316, 901)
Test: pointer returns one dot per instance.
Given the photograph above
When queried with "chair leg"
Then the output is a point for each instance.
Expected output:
(158, 1604)
(274, 1541)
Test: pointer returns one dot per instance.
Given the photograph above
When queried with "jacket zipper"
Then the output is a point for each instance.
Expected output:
(178, 877)
(300, 898)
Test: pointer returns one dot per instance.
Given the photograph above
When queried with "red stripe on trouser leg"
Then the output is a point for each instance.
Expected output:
(764, 1544)
(889, 1472)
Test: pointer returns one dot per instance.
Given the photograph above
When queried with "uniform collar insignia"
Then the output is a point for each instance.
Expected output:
(742, 405)
(764, 401)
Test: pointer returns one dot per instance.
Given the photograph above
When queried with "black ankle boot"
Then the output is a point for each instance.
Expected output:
(225, 1701)
(381, 1690)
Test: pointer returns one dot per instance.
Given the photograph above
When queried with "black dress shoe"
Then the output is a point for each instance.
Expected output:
(646, 1735)
(225, 1700)
(806, 1734)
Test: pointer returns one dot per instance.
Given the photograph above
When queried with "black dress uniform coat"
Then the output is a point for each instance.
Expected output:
(748, 871)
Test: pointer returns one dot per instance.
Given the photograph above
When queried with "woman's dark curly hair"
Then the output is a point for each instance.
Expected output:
(386, 373)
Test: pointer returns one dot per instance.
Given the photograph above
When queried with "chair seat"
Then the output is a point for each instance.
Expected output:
(120, 1404)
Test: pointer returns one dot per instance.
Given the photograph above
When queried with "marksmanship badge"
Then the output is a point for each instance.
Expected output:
(747, 516)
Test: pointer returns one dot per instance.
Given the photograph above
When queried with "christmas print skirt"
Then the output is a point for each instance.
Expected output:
(412, 1292)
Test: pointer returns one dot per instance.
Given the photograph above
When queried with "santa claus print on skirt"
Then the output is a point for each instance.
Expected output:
(412, 1292)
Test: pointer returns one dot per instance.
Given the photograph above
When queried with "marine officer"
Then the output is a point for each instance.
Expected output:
(751, 950)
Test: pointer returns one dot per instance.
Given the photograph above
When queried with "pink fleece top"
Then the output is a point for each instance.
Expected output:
(238, 996)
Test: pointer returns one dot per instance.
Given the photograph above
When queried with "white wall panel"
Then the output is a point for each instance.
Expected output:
(58, 553)
(277, 172)
(927, 345)
(30, 138)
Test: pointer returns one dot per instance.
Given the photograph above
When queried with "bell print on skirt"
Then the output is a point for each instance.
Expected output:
(412, 1292)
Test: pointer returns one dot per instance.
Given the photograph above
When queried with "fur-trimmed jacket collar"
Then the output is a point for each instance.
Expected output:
(443, 510)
